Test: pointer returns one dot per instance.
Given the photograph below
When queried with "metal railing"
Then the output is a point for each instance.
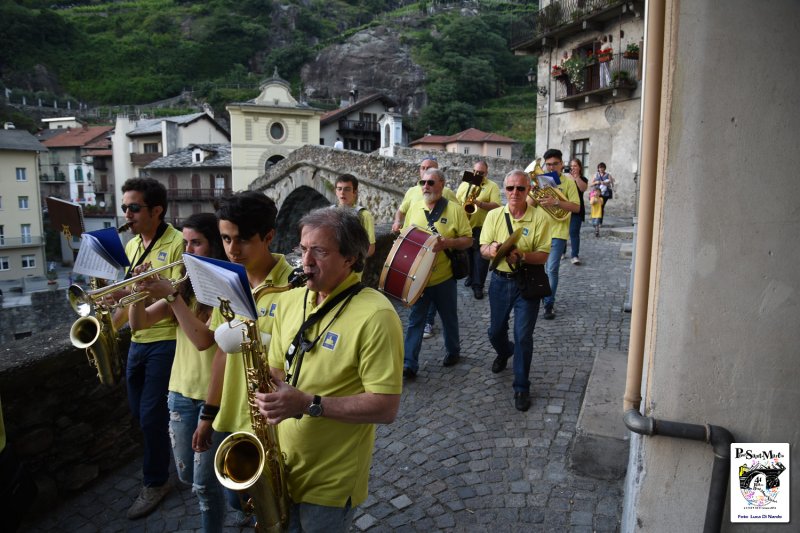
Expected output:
(196, 194)
(360, 125)
(554, 16)
(17, 242)
(598, 77)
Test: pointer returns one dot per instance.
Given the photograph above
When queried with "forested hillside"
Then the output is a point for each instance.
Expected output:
(131, 52)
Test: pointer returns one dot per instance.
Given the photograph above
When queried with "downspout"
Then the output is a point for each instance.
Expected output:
(719, 437)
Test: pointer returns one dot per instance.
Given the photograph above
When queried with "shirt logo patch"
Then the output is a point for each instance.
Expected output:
(162, 256)
(443, 220)
(525, 231)
(272, 309)
(262, 311)
(330, 340)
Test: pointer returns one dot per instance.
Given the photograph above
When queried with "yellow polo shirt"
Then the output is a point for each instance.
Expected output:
(368, 223)
(191, 368)
(560, 229)
(451, 224)
(360, 351)
(234, 413)
(168, 249)
(489, 192)
(534, 236)
(414, 194)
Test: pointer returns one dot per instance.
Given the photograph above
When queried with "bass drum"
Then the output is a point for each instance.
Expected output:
(409, 265)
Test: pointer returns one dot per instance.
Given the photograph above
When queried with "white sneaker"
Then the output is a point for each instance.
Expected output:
(148, 500)
(576, 261)
(427, 333)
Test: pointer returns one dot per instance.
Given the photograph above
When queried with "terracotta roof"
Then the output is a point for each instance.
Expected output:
(468, 135)
(78, 137)
(336, 114)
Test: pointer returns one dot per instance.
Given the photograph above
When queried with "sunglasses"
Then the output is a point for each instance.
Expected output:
(429, 183)
(135, 208)
(520, 188)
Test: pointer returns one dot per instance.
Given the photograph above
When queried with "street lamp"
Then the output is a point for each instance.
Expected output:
(541, 89)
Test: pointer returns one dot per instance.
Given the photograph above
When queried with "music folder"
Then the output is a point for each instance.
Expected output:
(101, 255)
(214, 280)
(65, 216)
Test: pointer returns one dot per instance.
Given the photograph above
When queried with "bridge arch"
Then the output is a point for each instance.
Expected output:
(299, 202)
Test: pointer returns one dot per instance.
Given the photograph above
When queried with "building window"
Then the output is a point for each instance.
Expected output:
(106, 225)
(25, 230)
(580, 151)
(2, 235)
(277, 132)
(1, 202)
(466, 150)
(4, 263)
(21, 175)
(150, 148)
(499, 152)
(28, 261)
(78, 174)
(23, 202)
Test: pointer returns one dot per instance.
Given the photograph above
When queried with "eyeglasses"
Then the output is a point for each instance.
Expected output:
(318, 253)
(135, 208)
(429, 183)
(520, 188)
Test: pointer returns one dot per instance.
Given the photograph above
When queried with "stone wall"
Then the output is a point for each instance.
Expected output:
(67, 429)
(47, 310)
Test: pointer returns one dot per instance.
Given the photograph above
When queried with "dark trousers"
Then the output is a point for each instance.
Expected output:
(479, 267)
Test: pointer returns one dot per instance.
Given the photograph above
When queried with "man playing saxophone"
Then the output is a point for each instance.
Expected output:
(336, 361)
(247, 226)
(559, 230)
(486, 199)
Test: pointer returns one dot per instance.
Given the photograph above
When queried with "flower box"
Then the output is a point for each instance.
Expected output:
(630, 55)
(558, 72)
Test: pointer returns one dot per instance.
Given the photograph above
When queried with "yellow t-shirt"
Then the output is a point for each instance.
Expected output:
(368, 223)
(451, 224)
(234, 413)
(597, 208)
(560, 229)
(168, 249)
(534, 236)
(360, 351)
(489, 192)
(191, 369)
(414, 194)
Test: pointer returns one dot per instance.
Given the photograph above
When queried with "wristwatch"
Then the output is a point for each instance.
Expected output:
(315, 409)
(170, 298)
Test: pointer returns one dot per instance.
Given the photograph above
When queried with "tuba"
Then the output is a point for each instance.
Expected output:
(94, 330)
(535, 170)
(253, 462)
(473, 191)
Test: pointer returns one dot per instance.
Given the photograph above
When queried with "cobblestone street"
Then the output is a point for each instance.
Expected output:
(459, 457)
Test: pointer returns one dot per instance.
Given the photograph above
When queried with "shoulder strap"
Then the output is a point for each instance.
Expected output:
(436, 213)
(508, 224)
(162, 228)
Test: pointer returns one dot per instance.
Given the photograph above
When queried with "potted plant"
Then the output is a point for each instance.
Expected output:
(557, 71)
(631, 52)
(605, 55)
(575, 67)
(620, 78)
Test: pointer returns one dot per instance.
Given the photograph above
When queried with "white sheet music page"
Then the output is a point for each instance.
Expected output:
(93, 261)
(213, 279)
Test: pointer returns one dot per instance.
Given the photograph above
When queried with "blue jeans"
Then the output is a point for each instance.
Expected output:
(147, 374)
(503, 298)
(575, 223)
(431, 316)
(557, 249)
(196, 469)
(445, 298)
(312, 518)
(479, 267)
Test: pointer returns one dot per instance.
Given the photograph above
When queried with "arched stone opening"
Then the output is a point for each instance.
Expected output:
(298, 203)
(272, 160)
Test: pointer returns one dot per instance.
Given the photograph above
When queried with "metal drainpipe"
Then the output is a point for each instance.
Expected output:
(720, 438)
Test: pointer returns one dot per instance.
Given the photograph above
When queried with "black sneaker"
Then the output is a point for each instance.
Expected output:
(477, 292)
(522, 401)
(499, 364)
(408, 373)
(549, 314)
(450, 359)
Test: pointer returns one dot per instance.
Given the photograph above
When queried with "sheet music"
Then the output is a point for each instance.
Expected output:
(213, 279)
(545, 181)
(93, 261)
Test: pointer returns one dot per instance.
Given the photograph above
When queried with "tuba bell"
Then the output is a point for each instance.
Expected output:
(538, 192)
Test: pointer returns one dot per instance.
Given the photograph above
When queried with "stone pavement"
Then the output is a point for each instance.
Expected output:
(459, 457)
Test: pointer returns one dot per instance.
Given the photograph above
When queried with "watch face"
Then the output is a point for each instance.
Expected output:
(314, 409)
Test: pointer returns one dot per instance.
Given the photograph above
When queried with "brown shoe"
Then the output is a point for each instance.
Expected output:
(148, 500)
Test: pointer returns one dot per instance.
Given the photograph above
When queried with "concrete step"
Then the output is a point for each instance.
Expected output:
(600, 448)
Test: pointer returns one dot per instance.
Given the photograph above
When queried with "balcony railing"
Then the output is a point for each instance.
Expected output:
(53, 178)
(358, 125)
(18, 242)
(599, 80)
(143, 159)
(196, 194)
(561, 17)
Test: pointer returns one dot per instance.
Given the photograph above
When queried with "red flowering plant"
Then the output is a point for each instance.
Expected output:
(605, 55)
(558, 71)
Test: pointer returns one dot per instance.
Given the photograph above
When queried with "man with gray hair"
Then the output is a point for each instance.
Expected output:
(336, 361)
(449, 222)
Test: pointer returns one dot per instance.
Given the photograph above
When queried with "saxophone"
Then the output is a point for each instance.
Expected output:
(253, 461)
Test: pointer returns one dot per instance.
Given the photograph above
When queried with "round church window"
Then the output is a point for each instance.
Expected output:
(277, 131)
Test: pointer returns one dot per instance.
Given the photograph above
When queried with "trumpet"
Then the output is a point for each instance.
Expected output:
(86, 302)
(538, 192)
